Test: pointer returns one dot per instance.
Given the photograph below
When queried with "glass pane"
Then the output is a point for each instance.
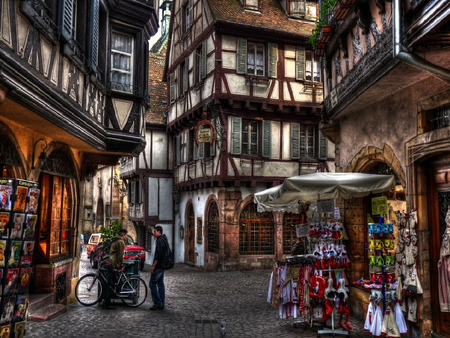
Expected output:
(122, 43)
(260, 60)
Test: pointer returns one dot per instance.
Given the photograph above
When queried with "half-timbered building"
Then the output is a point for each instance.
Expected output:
(246, 66)
(73, 92)
(386, 100)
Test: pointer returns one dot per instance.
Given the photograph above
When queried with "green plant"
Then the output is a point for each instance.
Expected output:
(110, 231)
(324, 12)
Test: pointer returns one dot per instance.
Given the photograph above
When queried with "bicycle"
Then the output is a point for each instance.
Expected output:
(132, 290)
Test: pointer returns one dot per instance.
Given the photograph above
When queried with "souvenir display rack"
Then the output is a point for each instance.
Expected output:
(18, 217)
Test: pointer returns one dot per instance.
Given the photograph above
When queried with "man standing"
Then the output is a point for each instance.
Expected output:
(116, 259)
(157, 276)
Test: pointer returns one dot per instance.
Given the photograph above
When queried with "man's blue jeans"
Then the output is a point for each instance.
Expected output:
(157, 287)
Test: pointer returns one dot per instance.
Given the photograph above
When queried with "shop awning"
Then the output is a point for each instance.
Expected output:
(312, 187)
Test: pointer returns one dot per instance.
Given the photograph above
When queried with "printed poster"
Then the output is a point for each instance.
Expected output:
(21, 308)
(6, 190)
(4, 221)
(30, 227)
(28, 247)
(19, 220)
(7, 310)
(2, 252)
(379, 205)
(19, 330)
(12, 278)
(5, 331)
(14, 259)
(24, 280)
(21, 199)
(33, 200)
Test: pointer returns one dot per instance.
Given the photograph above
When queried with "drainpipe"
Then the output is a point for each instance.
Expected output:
(402, 54)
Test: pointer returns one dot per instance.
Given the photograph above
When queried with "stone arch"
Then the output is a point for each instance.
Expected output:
(189, 245)
(369, 154)
(20, 171)
(211, 199)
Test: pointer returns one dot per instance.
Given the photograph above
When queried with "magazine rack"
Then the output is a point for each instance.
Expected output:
(18, 217)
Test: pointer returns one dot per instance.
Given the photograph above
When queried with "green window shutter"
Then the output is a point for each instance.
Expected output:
(323, 147)
(94, 27)
(273, 60)
(267, 139)
(65, 19)
(196, 151)
(204, 59)
(212, 150)
(241, 61)
(178, 149)
(295, 141)
(172, 87)
(188, 146)
(236, 132)
(300, 63)
(195, 69)
(185, 75)
(303, 144)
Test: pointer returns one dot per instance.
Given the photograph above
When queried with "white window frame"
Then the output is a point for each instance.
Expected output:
(312, 67)
(113, 52)
(256, 45)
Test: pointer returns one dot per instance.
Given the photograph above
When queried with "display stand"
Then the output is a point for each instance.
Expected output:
(18, 217)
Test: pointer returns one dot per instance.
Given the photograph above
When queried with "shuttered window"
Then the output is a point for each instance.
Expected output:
(323, 147)
(273, 60)
(133, 192)
(140, 192)
(178, 149)
(297, 8)
(312, 67)
(66, 19)
(241, 62)
(267, 139)
(94, 33)
(204, 59)
(185, 74)
(300, 63)
(295, 141)
(236, 129)
(172, 87)
(255, 59)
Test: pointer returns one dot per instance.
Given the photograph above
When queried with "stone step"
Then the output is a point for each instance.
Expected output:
(47, 312)
(39, 300)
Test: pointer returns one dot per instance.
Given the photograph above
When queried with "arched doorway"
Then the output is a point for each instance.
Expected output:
(190, 254)
(256, 232)
(213, 228)
(99, 214)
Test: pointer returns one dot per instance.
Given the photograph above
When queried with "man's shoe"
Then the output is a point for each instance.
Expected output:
(157, 307)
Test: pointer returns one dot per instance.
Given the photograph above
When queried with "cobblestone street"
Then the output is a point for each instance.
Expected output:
(197, 302)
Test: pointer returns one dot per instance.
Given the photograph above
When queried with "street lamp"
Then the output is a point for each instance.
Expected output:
(42, 157)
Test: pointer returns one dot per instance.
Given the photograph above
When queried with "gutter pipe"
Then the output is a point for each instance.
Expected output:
(401, 53)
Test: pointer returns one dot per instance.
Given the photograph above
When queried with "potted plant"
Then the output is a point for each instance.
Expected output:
(323, 29)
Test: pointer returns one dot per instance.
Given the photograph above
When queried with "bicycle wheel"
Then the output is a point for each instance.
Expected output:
(88, 290)
(133, 291)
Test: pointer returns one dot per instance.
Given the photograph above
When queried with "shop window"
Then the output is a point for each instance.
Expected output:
(441, 117)
(289, 233)
(55, 217)
(213, 228)
(121, 62)
(256, 232)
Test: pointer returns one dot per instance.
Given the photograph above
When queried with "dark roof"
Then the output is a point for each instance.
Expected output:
(270, 17)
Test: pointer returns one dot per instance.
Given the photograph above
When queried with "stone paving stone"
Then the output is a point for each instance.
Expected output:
(195, 301)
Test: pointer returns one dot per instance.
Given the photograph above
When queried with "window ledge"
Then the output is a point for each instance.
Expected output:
(256, 78)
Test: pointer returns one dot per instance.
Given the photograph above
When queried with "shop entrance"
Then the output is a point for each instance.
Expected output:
(439, 192)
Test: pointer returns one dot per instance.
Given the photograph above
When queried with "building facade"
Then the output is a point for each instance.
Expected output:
(73, 91)
(386, 107)
(243, 67)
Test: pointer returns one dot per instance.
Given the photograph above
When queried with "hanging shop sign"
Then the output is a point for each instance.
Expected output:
(205, 135)
(379, 205)
(302, 230)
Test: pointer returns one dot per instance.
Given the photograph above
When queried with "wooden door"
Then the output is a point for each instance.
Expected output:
(191, 233)
(439, 192)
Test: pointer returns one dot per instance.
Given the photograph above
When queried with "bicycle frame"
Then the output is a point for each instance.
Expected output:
(122, 281)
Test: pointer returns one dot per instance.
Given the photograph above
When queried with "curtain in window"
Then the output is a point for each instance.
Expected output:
(121, 54)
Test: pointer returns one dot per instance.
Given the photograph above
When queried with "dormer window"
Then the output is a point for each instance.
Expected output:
(300, 9)
(252, 5)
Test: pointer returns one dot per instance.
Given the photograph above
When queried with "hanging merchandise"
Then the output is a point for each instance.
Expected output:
(377, 321)
(389, 326)
(444, 268)
(400, 319)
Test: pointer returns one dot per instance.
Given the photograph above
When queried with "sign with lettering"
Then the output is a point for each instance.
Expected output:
(204, 135)
(201, 135)
(379, 205)
(302, 230)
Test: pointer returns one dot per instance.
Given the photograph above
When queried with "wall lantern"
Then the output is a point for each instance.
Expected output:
(42, 157)
(181, 232)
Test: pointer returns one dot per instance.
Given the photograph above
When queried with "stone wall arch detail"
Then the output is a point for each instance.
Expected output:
(369, 154)
(22, 170)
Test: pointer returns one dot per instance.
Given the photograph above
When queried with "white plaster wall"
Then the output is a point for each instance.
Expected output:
(159, 142)
(229, 60)
(237, 85)
(261, 89)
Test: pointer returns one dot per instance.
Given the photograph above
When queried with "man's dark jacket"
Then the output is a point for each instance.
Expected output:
(160, 252)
